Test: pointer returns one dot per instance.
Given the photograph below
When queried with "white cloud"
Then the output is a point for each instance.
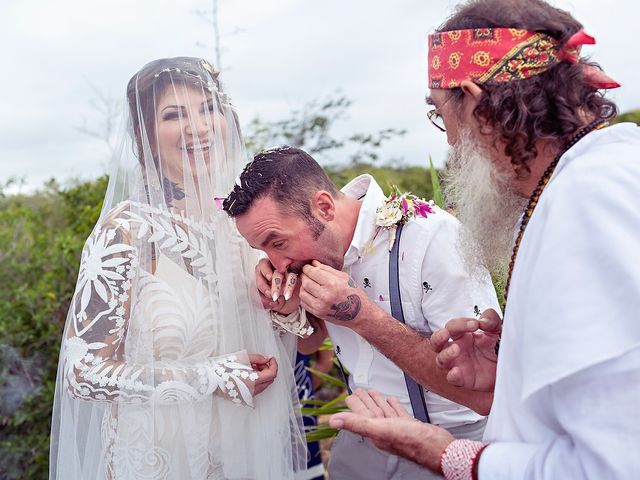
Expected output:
(288, 53)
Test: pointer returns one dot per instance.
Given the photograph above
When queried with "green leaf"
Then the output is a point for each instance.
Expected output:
(313, 402)
(327, 378)
(318, 411)
(338, 399)
(435, 185)
(321, 432)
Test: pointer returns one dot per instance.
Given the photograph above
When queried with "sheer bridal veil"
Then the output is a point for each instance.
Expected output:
(156, 375)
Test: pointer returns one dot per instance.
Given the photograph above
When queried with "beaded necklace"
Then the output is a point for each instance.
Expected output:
(535, 196)
(533, 201)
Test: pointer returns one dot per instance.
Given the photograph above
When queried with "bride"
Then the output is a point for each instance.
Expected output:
(165, 350)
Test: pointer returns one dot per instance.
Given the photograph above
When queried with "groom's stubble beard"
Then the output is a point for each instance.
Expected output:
(485, 205)
(324, 247)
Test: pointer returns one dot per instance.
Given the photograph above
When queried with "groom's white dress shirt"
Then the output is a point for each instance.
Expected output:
(435, 288)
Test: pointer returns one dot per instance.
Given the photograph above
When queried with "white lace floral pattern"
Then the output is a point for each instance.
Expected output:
(184, 367)
(296, 323)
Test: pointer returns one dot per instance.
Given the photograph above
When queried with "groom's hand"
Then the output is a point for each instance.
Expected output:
(278, 292)
(332, 295)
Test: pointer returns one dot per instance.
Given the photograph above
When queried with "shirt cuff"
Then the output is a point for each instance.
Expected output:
(296, 322)
(505, 461)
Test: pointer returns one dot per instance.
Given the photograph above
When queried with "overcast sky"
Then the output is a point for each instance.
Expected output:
(287, 53)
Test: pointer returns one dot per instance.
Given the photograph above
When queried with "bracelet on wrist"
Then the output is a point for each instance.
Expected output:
(459, 460)
(295, 322)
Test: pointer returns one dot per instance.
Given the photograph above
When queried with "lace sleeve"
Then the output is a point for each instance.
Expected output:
(96, 365)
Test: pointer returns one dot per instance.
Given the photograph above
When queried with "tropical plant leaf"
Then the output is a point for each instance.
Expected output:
(317, 411)
(435, 184)
(338, 399)
(313, 402)
(327, 378)
(321, 432)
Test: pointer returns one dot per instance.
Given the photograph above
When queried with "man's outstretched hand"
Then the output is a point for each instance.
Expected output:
(392, 429)
(467, 348)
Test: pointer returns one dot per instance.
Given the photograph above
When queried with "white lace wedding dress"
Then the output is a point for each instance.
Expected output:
(164, 405)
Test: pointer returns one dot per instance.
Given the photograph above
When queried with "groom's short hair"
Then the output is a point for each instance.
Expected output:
(288, 175)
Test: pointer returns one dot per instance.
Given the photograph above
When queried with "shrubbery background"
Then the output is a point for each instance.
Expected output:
(41, 236)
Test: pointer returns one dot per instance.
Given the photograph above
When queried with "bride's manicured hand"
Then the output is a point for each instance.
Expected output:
(272, 285)
(267, 369)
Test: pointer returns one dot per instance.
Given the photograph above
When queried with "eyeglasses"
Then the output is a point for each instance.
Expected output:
(435, 117)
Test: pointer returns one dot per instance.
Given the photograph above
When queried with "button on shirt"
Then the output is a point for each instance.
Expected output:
(434, 286)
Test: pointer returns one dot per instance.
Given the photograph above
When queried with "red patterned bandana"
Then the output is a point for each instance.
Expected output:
(495, 55)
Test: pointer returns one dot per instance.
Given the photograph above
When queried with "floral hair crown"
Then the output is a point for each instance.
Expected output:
(208, 81)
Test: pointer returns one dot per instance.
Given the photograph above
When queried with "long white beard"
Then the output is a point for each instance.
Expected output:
(487, 208)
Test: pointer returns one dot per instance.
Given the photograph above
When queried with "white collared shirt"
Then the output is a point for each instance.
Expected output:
(434, 287)
(567, 394)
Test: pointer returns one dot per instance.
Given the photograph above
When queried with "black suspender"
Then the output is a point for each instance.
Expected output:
(416, 393)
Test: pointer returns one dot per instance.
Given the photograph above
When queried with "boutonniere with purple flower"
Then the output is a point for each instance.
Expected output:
(398, 209)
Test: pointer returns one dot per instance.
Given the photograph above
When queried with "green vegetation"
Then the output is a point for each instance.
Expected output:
(41, 236)
(632, 116)
(416, 180)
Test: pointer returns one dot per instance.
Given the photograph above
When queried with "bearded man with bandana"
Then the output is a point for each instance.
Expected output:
(548, 191)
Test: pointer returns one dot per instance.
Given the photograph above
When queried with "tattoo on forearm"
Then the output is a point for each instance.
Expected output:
(347, 310)
(352, 282)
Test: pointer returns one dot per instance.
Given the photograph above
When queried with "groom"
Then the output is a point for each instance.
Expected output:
(285, 205)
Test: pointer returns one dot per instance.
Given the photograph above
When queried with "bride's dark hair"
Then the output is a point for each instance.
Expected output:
(148, 84)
